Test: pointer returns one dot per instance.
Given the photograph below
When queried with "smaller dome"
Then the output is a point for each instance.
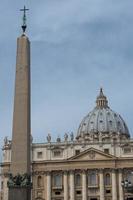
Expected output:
(102, 120)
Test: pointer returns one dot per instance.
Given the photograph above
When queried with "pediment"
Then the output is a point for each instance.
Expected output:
(92, 154)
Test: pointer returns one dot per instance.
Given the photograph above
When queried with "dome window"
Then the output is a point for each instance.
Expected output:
(118, 123)
(108, 113)
(101, 121)
(101, 113)
(92, 122)
(110, 122)
(115, 115)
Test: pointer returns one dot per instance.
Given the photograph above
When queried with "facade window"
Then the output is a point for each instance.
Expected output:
(78, 180)
(92, 179)
(106, 151)
(39, 154)
(78, 192)
(108, 191)
(39, 181)
(57, 180)
(127, 150)
(110, 122)
(107, 179)
(57, 153)
(57, 193)
(77, 152)
(2, 185)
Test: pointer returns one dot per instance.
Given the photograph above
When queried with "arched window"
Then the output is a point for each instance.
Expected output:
(39, 181)
(92, 179)
(78, 180)
(57, 179)
(107, 179)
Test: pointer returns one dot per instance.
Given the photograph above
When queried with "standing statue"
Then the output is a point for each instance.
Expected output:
(66, 137)
(58, 139)
(72, 136)
(49, 137)
(6, 141)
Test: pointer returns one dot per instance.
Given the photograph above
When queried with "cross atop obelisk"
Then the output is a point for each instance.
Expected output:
(19, 182)
(24, 25)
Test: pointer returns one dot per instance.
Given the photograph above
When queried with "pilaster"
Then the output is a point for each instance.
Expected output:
(72, 188)
(65, 185)
(114, 185)
(101, 182)
(84, 185)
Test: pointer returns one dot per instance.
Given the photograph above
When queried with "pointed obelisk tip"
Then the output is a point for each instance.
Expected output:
(24, 25)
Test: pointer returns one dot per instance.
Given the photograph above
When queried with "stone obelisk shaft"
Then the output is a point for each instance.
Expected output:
(20, 154)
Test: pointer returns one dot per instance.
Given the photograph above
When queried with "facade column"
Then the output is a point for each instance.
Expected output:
(121, 193)
(84, 186)
(114, 185)
(48, 186)
(65, 185)
(101, 182)
(72, 188)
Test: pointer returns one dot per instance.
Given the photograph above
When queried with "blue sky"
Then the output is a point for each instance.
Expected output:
(77, 46)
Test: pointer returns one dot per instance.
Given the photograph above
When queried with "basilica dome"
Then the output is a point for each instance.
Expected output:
(102, 121)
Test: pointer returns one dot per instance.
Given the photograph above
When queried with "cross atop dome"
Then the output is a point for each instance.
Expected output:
(101, 101)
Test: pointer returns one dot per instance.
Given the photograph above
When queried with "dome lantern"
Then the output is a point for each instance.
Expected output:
(101, 101)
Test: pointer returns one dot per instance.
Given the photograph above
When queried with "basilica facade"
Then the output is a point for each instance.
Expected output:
(89, 165)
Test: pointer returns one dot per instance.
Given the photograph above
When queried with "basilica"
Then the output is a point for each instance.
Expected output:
(88, 165)
(95, 163)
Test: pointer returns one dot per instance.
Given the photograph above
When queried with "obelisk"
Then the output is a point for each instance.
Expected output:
(19, 182)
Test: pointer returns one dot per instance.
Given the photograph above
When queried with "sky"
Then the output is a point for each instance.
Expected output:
(77, 46)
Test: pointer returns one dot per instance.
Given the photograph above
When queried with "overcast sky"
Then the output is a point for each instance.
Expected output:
(77, 46)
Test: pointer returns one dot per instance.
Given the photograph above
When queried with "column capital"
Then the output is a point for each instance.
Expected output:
(48, 173)
(84, 171)
(66, 172)
(101, 170)
(72, 171)
(92, 170)
(114, 170)
(120, 170)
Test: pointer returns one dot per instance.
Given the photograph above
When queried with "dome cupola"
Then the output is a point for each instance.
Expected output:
(101, 101)
(102, 122)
